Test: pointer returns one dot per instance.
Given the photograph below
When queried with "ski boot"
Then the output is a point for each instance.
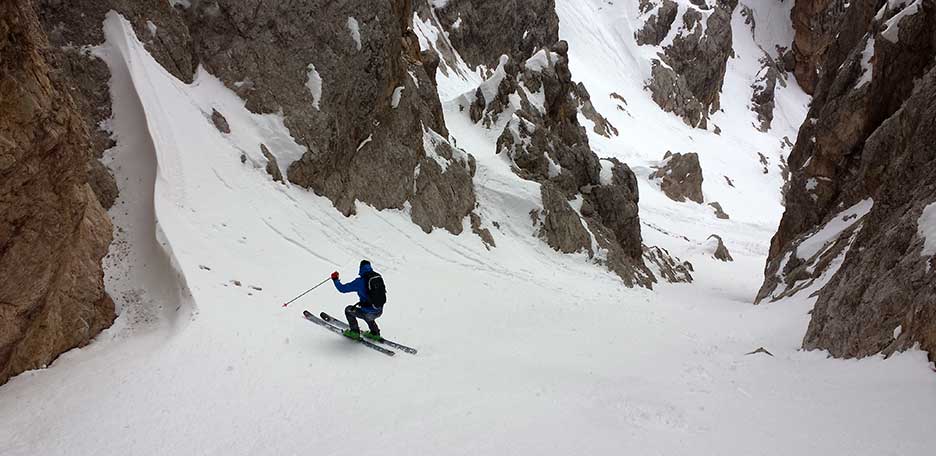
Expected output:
(373, 336)
(352, 334)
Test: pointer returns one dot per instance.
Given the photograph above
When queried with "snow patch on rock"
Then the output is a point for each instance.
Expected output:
(892, 26)
(926, 228)
(831, 230)
(867, 70)
(355, 29)
(314, 84)
(395, 98)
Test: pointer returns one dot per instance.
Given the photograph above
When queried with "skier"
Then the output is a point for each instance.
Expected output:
(372, 294)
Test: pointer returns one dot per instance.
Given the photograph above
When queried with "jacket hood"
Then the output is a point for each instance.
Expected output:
(366, 267)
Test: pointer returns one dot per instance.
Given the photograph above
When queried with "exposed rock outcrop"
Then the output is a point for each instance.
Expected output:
(716, 247)
(762, 100)
(53, 230)
(826, 26)
(661, 16)
(482, 30)
(680, 177)
(220, 122)
(719, 212)
(272, 167)
(667, 266)
(862, 171)
(688, 77)
(545, 143)
(561, 227)
(335, 89)
(601, 124)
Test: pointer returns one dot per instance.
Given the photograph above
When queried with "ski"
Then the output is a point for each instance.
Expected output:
(389, 343)
(338, 330)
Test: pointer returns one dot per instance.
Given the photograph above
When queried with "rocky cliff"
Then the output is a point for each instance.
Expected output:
(482, 31)
(862, 174)
(687, 77)
(352, 82)
(537, 103)
(358, 91)
(53, 231)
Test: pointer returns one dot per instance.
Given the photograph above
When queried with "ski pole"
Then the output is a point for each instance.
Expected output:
(303, 294)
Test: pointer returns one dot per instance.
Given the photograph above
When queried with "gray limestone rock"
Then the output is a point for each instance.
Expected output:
(601, 124)
(561, 227)
(690, 82)
(762, 100)
(719, 251)
(867, 142)
(486, 30)
(272, 168)
(658, 24)
(220, 122)
(719, 212)
(680, 177)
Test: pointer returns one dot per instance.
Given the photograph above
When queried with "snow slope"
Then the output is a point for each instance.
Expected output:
(522, 349)
(600, 35)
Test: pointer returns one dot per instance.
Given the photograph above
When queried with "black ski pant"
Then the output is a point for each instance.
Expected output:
(354, 312)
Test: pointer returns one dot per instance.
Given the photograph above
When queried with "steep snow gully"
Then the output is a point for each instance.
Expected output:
(522, 349)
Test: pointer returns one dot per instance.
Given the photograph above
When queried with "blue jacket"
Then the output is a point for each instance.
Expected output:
(357, 285)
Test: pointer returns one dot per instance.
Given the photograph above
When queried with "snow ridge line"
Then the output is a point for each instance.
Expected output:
(172, 286)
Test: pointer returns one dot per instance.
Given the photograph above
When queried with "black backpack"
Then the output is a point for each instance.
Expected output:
(376, 291)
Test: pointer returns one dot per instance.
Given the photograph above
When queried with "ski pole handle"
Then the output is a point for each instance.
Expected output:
(306, 292)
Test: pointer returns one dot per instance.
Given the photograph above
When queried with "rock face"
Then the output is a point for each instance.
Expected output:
(762, 100)
(71, 25)
(862, 172)
(365, 105)
(482, 30)
(688, 77)
(367, 111)
(561, 226)
(545, 143)
(661, 16)
(601, 124)
(53, 231)
(220, 121)
(680, 177)
(818, 26)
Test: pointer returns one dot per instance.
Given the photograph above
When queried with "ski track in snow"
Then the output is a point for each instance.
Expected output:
(522, 349)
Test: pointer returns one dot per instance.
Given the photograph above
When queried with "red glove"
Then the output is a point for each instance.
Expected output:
(334, 275)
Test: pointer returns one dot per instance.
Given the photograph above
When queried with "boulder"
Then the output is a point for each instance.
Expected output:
(481, 232)
(601, 124)
(680, 177)
(220, 122)
(716, 247)
(719, 212)
(272, 168)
